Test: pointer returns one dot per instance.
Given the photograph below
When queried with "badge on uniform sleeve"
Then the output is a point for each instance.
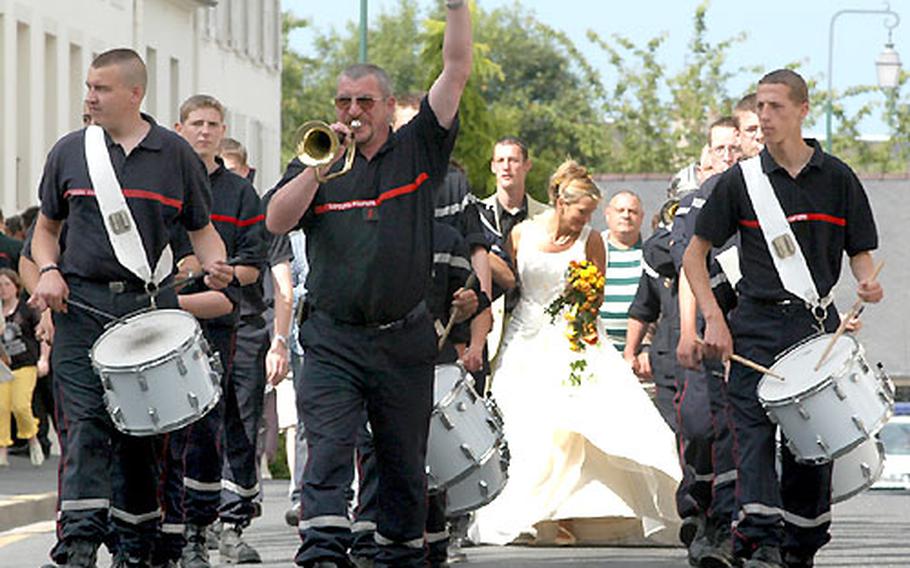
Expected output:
(370, 213)
(784, 246)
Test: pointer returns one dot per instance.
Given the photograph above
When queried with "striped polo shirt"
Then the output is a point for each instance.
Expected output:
(623, 274)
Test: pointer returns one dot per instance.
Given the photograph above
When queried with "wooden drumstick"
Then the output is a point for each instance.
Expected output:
(854, 311)
(749, 363)
(469, 283)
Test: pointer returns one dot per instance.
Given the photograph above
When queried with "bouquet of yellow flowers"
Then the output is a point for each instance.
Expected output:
(579, 305)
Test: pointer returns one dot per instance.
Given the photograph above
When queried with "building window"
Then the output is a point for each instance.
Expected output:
(238, 26)
(151, 93)
(51, 88)
(254, 25)
(175, 90)
(23, 113)
(77, 87)
(223, 17)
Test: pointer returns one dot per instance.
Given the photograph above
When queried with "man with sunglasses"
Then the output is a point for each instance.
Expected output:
(369, 338)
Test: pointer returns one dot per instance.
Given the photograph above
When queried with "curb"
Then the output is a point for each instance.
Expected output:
(19, 510)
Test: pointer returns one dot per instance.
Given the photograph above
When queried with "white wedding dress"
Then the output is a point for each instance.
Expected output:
(590, 464)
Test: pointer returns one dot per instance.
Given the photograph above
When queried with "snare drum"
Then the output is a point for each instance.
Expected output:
(157, 371)
(826, 413)
(463, 429)
(482, 485)
(857, 470)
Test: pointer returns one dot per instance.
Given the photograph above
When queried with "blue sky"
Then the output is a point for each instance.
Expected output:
(779, 31)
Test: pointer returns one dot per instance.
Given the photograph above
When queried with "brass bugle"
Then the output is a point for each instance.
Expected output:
(317, 144)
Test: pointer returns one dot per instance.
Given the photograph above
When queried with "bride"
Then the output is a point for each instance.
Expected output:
(590, 464)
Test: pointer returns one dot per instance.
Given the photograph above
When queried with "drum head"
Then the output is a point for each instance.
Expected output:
(797, 366)
(144, 337)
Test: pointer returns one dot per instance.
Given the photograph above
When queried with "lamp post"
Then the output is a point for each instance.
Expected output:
(888, 64)
(363, 31)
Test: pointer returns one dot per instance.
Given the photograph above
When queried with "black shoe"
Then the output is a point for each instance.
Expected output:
(361, 562)
(235, 550)
(81, 554)
(213, 535)
(765, 557)
(794, 560)
(123, 560)
(195, 553)
(691, 527)
(719, 552)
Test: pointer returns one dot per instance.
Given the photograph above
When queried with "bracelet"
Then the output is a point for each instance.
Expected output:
(454, 5)
(48, 268)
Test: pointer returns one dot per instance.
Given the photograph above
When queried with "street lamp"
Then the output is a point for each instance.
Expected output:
(363, 31)
(887, 66)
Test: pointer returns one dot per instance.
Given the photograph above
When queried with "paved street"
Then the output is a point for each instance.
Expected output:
(869, 531)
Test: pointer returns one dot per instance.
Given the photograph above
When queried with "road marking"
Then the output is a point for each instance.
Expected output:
(17, 534)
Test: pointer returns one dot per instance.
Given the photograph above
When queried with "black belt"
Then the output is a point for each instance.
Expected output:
(412, 316)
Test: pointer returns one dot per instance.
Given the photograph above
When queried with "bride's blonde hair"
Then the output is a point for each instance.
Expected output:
(571, 182)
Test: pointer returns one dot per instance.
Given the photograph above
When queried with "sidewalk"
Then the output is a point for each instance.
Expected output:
(28, 494)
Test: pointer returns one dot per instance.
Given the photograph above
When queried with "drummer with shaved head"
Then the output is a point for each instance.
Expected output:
(162, 182)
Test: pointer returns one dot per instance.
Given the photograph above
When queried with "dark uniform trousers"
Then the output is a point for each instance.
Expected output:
(706, 441)
(793, 513)
(390, 372)
(364, 526)
(191, 480)
(243, 397)
(103, 472)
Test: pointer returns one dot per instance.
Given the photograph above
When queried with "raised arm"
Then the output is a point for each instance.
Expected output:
(457, 54)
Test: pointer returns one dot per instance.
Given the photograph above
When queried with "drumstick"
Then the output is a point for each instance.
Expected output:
(469, 283)
(749, 363)
(854, 311)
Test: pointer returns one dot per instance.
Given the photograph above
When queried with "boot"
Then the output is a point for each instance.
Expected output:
(765, 557)
(794, 560)
(195, 554)
(719, 551)
(213, 535)
(234, 550)
(124, 560)
(81, 554)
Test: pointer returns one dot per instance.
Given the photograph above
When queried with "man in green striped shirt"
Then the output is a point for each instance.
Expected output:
(624, 214)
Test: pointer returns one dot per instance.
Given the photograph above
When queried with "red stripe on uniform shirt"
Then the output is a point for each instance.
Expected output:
(134, 193)
(236, 221)
(822, 217)
(365, 203)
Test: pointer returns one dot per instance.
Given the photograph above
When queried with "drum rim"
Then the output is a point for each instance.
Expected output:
(489, 499)
(186, 421)
(449, 397)
(856, 352)
(145, 365)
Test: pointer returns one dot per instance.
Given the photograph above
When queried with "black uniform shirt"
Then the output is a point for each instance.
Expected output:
(238, 218)
(656, 298)
(369, 232)
(457, 206)
(827, 209)
(9, 252)
(163, 180)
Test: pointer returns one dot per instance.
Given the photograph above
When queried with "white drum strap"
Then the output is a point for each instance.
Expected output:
(782, 244)
(729, 263)
(118, 220)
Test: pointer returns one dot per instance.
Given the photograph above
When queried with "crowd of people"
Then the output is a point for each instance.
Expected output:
(363, 276)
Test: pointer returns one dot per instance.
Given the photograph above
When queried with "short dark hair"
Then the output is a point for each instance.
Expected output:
(514, 141)
(749, 103)
(13, 224)
(361, 70)
(799, 91)
(29, 215)
(233, 147)
(722, 122)
(129, 61)
(197, 102)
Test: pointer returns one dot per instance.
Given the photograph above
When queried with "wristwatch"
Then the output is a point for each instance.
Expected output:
(280, 339)
(454, 4)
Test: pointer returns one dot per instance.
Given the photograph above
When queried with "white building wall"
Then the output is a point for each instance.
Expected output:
(46, 47)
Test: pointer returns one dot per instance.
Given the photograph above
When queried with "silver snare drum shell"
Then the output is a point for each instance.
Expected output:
(482, 485)
(157, 372)
(857, 470)
(826, 413)
(463, 429)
